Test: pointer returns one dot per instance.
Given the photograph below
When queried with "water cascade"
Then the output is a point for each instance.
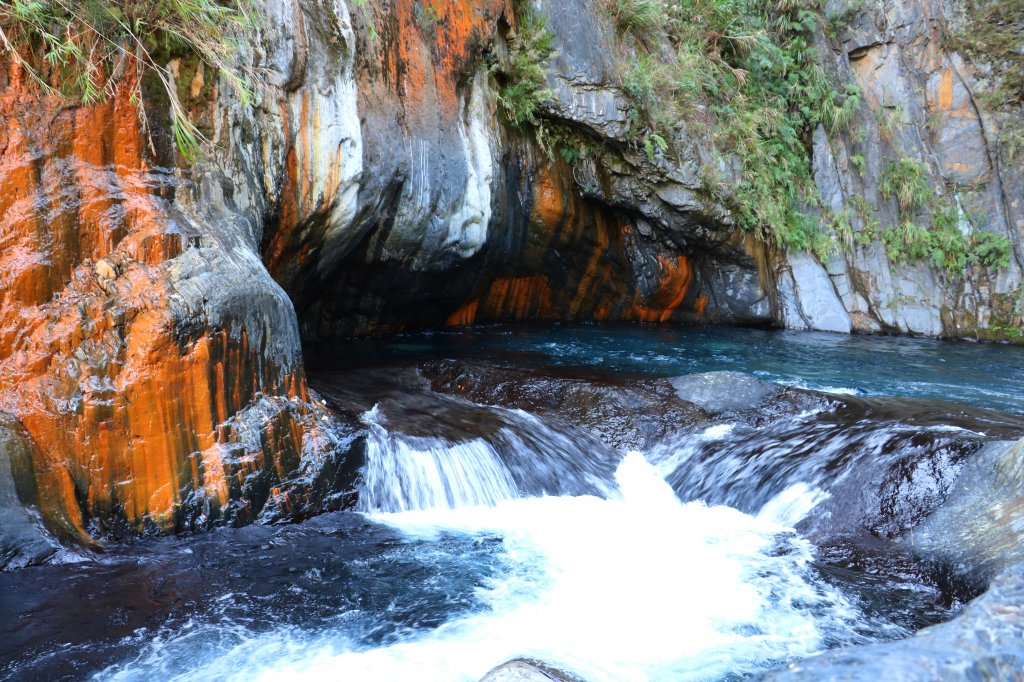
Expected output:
(524, 457)
(737, 543)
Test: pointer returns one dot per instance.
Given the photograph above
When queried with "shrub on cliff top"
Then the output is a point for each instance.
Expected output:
(83, 49)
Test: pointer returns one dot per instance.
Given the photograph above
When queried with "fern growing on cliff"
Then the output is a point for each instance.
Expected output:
(746, 74)
(83, 50)
(522, 89)
(906, 181)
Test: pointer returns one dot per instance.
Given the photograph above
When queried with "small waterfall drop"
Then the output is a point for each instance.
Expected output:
(416, 473)
(525, 457)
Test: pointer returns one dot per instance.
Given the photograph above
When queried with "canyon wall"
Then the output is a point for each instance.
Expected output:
(152, 309)
(474, 221)
(923, 106)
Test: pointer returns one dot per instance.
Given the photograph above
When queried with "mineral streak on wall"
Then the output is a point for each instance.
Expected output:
(572, 267)
(127, 401)
(151, 308)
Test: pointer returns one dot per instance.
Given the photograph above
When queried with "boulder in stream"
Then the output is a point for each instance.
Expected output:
(527, 670)
(979, 530)
(977, 534)
(985, 642)
(716, 392)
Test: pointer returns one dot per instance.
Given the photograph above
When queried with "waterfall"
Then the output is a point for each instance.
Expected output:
(524, 458)
(408, 473)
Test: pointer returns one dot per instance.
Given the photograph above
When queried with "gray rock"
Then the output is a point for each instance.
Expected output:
(23, 541)
(819, 307)
(985, 642)
(527, 670)
(979, 530)
(736, 294)
(723, 391)
(921, 103)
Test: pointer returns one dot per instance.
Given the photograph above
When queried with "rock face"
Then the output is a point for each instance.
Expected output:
(152, 308)
(396, 171)
(465, 215)
(149, 357)
(921, 104)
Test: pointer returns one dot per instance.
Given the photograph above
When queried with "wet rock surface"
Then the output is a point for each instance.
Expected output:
(882, 464)
(527, 670)
(978, 531)
(972, 541)
(982, 642)
(23, 539)
(716, 392)
(626, 414)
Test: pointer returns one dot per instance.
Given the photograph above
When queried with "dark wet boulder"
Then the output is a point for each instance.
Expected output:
(625, 413)
(976, 534)
(979, 530)
(528, 670)
(985, 642)
(716, 392)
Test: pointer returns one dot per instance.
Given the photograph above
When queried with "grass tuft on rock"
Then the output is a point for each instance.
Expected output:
(82, 49)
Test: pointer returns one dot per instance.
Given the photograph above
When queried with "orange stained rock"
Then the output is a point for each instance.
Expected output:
(945, 98)
(463, 316)
(297, 197)
(520, 298)
(946, 83)
(432, 44)
(701, 306)
(574, 265)
(596, 275)
(418, 62)
(550, 206)
(674, 283)
(124, 415)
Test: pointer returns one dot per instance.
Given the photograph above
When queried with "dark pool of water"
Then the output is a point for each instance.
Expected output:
(983, 375)
(337, 572)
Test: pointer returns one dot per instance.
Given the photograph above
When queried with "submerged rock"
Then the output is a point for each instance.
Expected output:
(627, 414)
(718, 392)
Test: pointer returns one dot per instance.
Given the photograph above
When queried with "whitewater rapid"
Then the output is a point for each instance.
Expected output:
(636, 587)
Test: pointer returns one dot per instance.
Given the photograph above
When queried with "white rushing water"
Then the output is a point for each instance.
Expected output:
(405, 474)
(634, 587)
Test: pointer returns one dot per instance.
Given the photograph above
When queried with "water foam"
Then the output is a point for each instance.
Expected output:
(638, 587)
(794, 503)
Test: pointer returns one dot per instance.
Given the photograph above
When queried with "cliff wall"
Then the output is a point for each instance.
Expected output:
(152, 307)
